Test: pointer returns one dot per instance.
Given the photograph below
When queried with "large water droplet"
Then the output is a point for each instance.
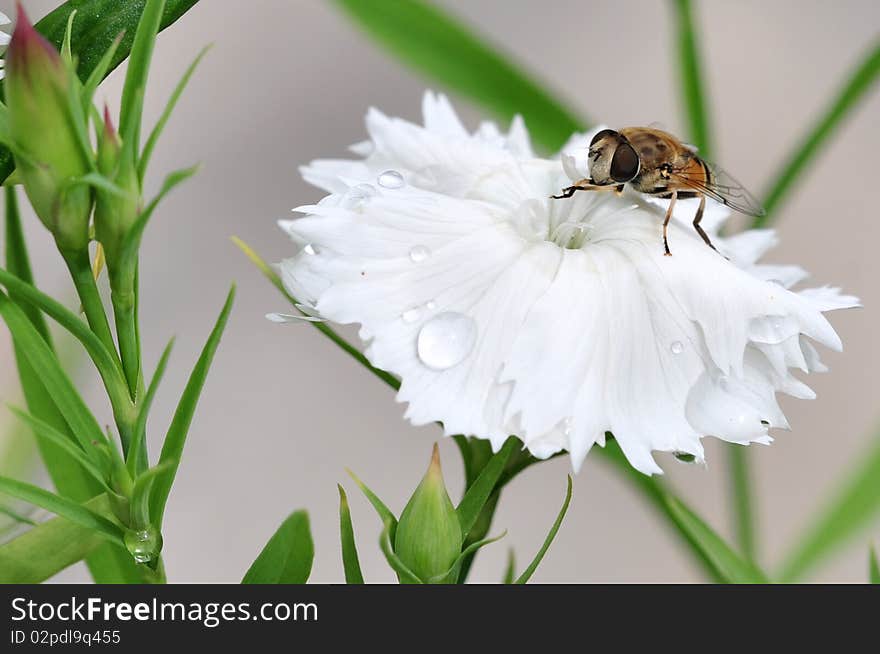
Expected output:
(419, 253)
(446, 340)
(411, 315)
(144, 545)
(358, 196)
(677, 347)
(391, 179)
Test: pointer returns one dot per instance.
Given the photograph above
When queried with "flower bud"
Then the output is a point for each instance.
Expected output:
(115, 213)
(49, 154)
(428, 538)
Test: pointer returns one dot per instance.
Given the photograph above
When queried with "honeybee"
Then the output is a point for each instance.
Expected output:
(656, 163)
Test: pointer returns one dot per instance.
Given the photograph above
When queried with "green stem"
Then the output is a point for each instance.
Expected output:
(80, 268)
(691, 78)
(743, 514)
(860, 81)
(126, 333)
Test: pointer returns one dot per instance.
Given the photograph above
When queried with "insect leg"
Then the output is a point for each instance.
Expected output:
(666, 222)
(697, 220)
(583, 185)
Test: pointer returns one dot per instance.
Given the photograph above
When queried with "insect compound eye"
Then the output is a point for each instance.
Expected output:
(601, 135)
(624, 164)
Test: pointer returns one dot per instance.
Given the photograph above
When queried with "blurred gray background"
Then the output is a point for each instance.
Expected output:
(284, 411)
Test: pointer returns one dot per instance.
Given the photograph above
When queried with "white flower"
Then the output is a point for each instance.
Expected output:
(4, 40)
(503, 311)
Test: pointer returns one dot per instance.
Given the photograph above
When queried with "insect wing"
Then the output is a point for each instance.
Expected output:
(721, 187)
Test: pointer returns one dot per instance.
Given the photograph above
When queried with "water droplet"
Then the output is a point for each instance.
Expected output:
(288, 318)
(143, 544)
(411, 315)
(391, 179)
(357, 196)
(310, 249)
(419, 253)
(684, 457)
(677, 347)
(430, 305)
(446, 340)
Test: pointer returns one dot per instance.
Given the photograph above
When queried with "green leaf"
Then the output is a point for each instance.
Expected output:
(384, 512)
(64, 442)
(350, 561)
(140, 494)
(852, 508)
(873, 567)
(50, 547)
(98, 23)
(56, 382)
(854, 89)
(529, 571)
(15, 516)
(166, 114)
(741, 495)
(139, 434)
(105, 362)
(478, 494)
(405, 575)
(287, 557)
(328, 331)
(172, 448)
(475, 454)
(730, 566)
(436, 44)
(691, 78)
(133, 239)
(510, 570)
(77, 513)
(98, 74)
(452, 575)
(135, 85)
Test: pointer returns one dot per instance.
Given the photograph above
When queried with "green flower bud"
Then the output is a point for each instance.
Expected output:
(428, 538)
(48, 151)
(115, 212)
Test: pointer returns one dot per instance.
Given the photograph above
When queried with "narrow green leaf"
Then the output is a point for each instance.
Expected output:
(405, 575)
(287, 557)
(15, 516)
(105, 362)
(529, 571)
(873, 567)
(50, 547)
(77, 513)
(133, 239)
(731, 567)
(172, 448)
(77, 415)
(325, 329)
(741, 496)
(384, 512)
(138, 444)
(64, 442)
(98, 74)
(140, 494)
(852, 508)
(350, 562)
(441, 47)
(97, 24)
(135, 85)
(691, 78)
(478, 494)
(510, 570)
(475, 454)
(166, 114)
(856, 86)
(17, 260)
